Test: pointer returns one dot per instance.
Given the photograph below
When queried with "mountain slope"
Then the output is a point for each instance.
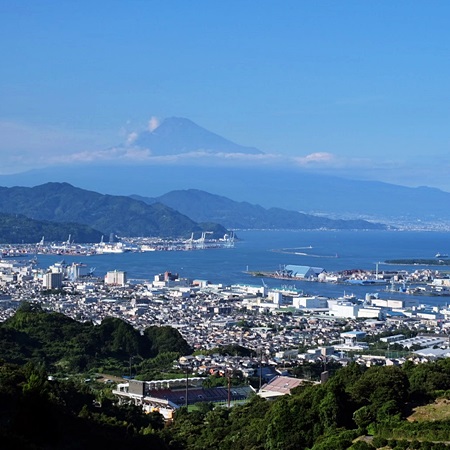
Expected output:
(180, 155)
(289, 189)
(16, 228)
(202, 206)
(62, 202)
(177, 135)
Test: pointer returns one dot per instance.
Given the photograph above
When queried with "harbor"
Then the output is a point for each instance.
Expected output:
(213, 303)
(115, 246)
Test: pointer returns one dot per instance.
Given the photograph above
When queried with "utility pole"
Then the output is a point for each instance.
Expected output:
(229, 387)
(260, 368)
(187, 386)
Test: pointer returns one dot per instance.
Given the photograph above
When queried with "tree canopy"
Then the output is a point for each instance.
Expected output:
(62, 343)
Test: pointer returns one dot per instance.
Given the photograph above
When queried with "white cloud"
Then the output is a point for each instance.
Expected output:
(115, 154)
(29, 146)
(136, 155)
(316, 158)
(153, 123)
(330, 161)
(132, 137)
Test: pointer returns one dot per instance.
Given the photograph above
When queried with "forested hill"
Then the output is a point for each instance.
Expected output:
(62, 343)
(16, 228)
(121, 215)
(203, 206)
(358, 408)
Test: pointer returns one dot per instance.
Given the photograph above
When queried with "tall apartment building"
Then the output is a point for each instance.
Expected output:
(53, 280)
(116, 278)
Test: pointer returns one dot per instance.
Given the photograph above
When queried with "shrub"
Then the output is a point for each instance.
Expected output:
(379, 442)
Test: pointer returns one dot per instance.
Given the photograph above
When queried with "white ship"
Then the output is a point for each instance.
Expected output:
(147, 248)
(103, 248)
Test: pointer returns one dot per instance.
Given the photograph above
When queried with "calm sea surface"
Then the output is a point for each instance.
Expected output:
(268, 250)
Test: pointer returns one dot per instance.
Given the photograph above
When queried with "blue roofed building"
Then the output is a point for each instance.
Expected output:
(303, 272)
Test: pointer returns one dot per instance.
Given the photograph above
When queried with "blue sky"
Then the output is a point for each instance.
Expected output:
(354, 88)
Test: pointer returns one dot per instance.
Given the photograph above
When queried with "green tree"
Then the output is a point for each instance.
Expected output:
(165, 339)
(381, 384)
(426, 379)
(363, 417)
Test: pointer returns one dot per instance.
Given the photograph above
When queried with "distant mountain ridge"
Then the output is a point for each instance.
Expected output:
(284, 188)
(178, 135)
(245, 179)
(203, 206)
(121, 215)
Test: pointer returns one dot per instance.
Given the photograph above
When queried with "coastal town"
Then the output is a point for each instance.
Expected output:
(282, 327)
(275, 321)
(116, 245)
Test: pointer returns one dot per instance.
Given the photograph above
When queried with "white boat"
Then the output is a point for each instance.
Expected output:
(147, 248)
(103, 248)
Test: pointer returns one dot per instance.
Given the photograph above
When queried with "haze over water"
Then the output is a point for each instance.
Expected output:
(270, 250)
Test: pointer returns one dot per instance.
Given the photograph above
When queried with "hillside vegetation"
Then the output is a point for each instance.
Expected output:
(65, 345)
(16, 229)
(355, 402)
(62, 202)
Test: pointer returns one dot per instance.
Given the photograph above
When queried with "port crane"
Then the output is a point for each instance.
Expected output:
(190, 242)
(229, 240)
(201, 241)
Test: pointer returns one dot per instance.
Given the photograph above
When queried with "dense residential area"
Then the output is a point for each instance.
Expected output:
(150, 361)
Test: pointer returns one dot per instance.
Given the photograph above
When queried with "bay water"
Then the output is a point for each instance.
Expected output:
(270, 250)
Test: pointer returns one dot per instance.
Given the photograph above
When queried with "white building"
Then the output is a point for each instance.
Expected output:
(392, 303)
(52, 280)
(116, 278)
(370, 313)
(344, 309)
(310, 302)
